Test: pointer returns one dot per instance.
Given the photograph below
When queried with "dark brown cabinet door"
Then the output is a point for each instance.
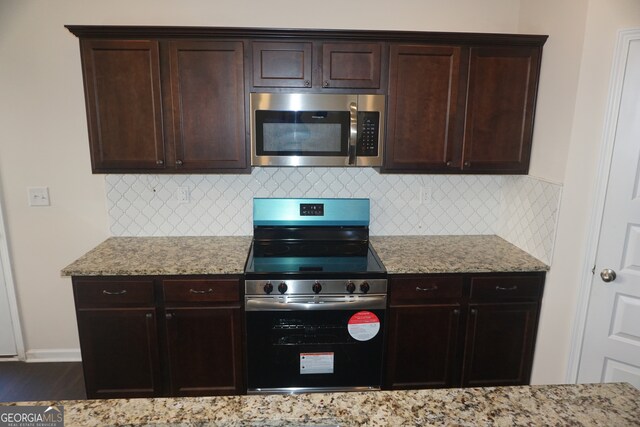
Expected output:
(423, 109)
(207, 87)
(282, 64)
(204, 350)
(499, 344)
(124, 105)
(351, 65)
(500, 108)
(421, 346)
(119, 352)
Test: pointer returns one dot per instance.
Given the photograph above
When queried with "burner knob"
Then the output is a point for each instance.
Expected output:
(364, 287)
(282, 287)
(317, 287)
(268, 288)
(351, 287)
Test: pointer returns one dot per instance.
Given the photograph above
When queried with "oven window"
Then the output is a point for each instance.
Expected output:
(278, 342)
(302, 133)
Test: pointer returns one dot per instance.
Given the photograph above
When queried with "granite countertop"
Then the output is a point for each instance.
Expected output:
(452, 254)
(587, 405)
(131, 256)
(135, 256)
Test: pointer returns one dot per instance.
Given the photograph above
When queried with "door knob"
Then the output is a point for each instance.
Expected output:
(608, 275)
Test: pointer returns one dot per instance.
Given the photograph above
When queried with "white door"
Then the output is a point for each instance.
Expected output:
(7, 340)
(611, 348)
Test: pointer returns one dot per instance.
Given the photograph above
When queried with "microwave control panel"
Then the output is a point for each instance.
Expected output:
(368, 130)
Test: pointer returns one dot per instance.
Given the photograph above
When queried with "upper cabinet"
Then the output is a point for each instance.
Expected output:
(309, 64)
(423, 117)
(501, 95)
(124, 104)
(207, 105)
(165, 106)
(175, 99)
(462, 109)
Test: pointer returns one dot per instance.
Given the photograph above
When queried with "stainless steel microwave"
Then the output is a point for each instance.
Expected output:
(293, 129)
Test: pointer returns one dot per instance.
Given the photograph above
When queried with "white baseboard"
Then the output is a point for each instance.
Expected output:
(54, 355)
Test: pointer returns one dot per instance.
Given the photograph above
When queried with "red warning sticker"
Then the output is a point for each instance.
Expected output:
(363, 326)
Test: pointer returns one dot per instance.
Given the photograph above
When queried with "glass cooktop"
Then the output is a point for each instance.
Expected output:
(290, 258)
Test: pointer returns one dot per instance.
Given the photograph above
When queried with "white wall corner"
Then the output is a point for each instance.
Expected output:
(54, 355)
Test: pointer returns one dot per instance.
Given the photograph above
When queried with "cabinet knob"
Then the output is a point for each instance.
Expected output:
(474, 311)
(456, 311)
(160, 162)
(467, 164)
(449, 163)
(325, 83)
(179, 162)
(169, 316)
(307, 83)
(149, 316)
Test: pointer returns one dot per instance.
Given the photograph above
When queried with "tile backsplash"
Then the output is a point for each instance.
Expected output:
(520, 209)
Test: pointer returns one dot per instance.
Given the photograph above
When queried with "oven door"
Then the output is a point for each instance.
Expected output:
(325, 345)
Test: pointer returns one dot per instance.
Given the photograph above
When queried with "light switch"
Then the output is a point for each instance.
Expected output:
(38, 196)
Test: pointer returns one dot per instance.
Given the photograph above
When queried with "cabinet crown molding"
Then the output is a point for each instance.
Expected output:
(145, 32)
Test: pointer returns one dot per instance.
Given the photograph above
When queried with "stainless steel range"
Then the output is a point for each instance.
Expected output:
(315, 298)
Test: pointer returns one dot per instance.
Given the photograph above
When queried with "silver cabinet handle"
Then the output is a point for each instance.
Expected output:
(179, 162)
(208, 291)
(159, 162)
(467, 164)
(325, 83)
(307, 83)
(106, 292)
(608, 275)
(169, 316)
(429, 289)
(474, 311)
(148, 315)
(511, 288)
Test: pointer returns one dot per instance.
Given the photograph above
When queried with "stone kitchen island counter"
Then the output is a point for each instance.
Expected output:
(452, 254)
(558, 405)
(148, 256)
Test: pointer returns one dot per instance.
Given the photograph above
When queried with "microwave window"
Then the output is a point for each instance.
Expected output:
(302, 133)
(301, 137)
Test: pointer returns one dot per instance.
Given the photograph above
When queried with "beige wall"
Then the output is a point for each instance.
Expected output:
(44, 138)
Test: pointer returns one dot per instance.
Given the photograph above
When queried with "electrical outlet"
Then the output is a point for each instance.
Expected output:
(183, 195)
(425, 195)
(38, 196)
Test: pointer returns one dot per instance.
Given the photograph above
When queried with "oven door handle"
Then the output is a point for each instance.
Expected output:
(371, 302)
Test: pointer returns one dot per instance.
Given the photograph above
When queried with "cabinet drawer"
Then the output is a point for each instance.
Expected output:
(507, 287)
(201, 291)
(90, 293)
(412, 290)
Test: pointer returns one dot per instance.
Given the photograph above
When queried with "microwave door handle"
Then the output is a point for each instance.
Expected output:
(353, 132)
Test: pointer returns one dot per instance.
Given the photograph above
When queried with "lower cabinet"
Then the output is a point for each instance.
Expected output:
(160, 337)
(461, 330)
(203, 337)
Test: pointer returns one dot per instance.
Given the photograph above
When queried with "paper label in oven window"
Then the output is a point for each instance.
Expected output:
(363, 326)
(316, 363)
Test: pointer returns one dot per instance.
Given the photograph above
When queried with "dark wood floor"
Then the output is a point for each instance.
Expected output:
(21, 381)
